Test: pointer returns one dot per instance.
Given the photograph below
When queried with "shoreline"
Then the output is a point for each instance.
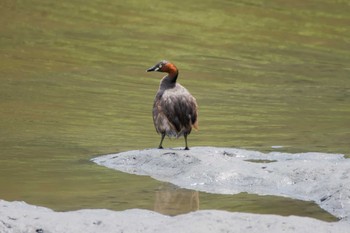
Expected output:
(319, 177)
(19, 217)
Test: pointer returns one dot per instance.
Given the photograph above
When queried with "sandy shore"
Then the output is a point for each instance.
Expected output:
(322, 178)
(19, 217)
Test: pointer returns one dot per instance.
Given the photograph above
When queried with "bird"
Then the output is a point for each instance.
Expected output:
(175, 110)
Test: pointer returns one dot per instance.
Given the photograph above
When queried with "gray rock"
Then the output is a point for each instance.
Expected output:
(319, 177)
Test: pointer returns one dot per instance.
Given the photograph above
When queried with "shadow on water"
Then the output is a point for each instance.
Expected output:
(73, 85)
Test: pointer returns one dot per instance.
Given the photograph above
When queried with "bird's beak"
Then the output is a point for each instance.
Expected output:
(153, 68)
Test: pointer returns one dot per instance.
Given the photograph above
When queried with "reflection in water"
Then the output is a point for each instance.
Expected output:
(171, 200)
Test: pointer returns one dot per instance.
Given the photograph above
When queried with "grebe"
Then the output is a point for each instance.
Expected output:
(174, 109)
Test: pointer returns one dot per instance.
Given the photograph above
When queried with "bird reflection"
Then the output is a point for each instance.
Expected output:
(172, 200)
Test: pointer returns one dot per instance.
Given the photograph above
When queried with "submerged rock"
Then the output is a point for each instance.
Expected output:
(319, 177)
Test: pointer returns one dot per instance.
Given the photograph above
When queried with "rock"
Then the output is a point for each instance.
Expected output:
(319, 177)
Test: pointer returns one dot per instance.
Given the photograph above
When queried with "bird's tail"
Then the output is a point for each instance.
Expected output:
(195, 125)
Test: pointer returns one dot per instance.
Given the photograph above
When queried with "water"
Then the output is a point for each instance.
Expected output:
(73, 86)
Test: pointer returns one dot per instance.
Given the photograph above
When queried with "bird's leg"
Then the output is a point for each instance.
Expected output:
(185, 136)
(161, 141)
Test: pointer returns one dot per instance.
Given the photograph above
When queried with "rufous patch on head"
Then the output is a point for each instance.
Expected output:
(169, 67)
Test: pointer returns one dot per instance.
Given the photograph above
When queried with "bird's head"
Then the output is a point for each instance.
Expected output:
(163, 66)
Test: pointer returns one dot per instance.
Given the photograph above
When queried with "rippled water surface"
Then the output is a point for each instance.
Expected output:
(266, 74)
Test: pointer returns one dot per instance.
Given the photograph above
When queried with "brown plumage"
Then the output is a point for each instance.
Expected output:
(174, 108)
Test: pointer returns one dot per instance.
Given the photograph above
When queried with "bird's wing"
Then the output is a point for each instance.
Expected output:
(180, 109)
(160, 119)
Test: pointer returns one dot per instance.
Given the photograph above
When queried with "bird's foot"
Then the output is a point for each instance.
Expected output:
(186, 148)
(160, 147)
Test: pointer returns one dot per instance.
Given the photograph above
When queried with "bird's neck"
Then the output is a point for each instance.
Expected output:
(169, 81)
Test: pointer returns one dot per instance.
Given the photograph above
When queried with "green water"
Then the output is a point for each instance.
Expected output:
(73, 86)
